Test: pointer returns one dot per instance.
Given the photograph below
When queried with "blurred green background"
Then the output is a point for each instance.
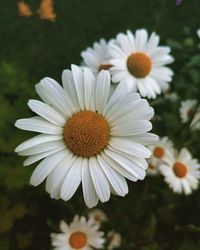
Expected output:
(151, 217)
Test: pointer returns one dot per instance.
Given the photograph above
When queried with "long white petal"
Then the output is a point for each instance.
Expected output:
(102, 90)
(117, 181)
(45, 167)
(89, 193)
(43, 147)
(36, 140)
(72, 180)
(99, 180)
(47, 112)
(36, 124)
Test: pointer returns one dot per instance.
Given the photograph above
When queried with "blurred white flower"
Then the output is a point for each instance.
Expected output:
(187, 110)
(97, 57)
(181, 172)
(98, 216)
(80, 234)
(139, 62)
(195, 124)
(160, 151)
(114, 240)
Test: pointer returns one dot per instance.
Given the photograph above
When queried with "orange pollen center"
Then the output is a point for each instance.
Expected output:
(105, 67)
(78, 240)
(139, 64)
(158, 152)
(86, 133)
(180, 169)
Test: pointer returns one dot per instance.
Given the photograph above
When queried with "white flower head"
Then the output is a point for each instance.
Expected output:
(98, 216)
(114, 240)
(97, 58)
(140, 63)
(87, 136)
(181, 172)
(80, 234)
(198, 33)
(187, 110)
(195, 124)
(160, 151)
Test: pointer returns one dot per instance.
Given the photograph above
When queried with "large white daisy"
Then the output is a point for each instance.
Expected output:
(160, 151)
(87, 136)
(140, 62)
(97, 57)
(79, 235)
(181, 172)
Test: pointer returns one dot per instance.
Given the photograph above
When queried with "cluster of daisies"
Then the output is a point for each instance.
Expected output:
(180, 170)
(94, 130)
(83, 233)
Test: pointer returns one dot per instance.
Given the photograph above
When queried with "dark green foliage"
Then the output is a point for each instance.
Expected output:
(151, 216)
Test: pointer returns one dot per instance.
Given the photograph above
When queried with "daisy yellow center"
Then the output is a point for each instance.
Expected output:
(190, 113)
(139, 64)
(78, 240)
(105, 67)
(180, 169)
(158, 152)
(86, 133)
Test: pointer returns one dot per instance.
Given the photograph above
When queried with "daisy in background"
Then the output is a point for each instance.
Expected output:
(97, 57)
(87, 136)
(195, 124)
(79, 235)
(114, 240)
(140, 63)
(98, 216)
(181, 172)
(160, 151)
(187, 110)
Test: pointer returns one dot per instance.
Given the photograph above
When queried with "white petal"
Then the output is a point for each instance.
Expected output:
(89, 84)
(120, 92)
(130, 166)
(123, 106)
(53, 94)
(43, 147)
(72, 180)
(130, 147)
(131, 128)
(99, 180)
(117, 181)
(69, 87)
(47, 112)
(89, 193)
(146, 139)
(109, 156)
(55, 179)
(36, 140)
(77, 73)
(33, 158)
(38, 125)
(45, 167)
(140, 39)
(102, 90)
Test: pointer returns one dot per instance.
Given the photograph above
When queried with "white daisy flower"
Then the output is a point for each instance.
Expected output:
(140, 62)
(97, 58)
(195, 124)
(181, 172)
(98, 216)
(187, 110)
(114, 240)
(79, 235)
(160, 151)
(87, 136)
(198, 33)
